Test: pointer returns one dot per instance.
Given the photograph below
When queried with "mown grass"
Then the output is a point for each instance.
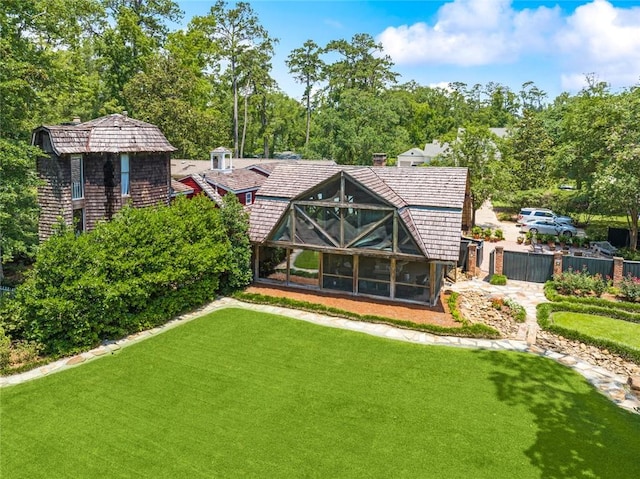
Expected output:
(600, 327)
(244, 394)
(306, 259)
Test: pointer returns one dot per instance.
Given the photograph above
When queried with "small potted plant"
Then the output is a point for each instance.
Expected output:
(520, 239)
(551, 241)
(476, 231)
(487, 234)
(498, 235)
(527, 237)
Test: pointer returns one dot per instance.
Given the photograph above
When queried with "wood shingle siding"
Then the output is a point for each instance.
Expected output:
(101, 143)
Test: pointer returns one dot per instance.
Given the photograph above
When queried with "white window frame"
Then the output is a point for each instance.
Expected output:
(125, 175)
(80, 185)
(248, 198)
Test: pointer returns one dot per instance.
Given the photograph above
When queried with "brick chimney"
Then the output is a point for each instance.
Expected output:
(379, 159)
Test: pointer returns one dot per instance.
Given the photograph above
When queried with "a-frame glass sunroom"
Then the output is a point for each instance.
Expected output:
(340, 236)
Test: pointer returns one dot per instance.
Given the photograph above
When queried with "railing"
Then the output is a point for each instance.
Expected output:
(76, 190)
(6, 290)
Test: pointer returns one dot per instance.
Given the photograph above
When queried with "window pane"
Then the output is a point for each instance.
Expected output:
(307, 233)
(381, 238)
(124, 174)
(406, 244)
(77, 178)
(304, 267)
(337, 272)
(273, 264)
(355, 194)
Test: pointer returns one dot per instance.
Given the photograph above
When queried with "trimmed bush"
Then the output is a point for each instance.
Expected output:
(544, 311)
(135, 272)
(498, 280)
(552, 295)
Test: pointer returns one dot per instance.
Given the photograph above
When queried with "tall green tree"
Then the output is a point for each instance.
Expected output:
(34, 36)
(18, 201)
(476, 149)
(361, 65)
(137, 29)
(584, 129)
(617, 182)
(307, 68)
(532, 149)
(237, 31)
(176, 98)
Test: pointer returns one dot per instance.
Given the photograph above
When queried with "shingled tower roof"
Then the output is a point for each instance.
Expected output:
(112, 133)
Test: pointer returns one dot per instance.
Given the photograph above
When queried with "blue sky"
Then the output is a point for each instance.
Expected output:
(552, 43)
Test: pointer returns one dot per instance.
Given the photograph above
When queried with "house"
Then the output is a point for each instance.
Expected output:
(371, 231)
(241, 182)
(93, 169)
(180, 189)
(417, 157)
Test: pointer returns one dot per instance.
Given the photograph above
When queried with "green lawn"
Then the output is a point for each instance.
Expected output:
(243, 394)
(307, 259)
(600, 327)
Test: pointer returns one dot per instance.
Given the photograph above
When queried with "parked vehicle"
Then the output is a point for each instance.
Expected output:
(530, 214)
(548, 227)
(604, 248)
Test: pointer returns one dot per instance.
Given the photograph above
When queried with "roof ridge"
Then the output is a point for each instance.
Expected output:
(209, 191)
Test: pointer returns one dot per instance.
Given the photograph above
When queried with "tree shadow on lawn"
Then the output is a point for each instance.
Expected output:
(580, 433)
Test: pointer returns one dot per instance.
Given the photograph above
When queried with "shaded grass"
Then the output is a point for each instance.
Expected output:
(306, 259)
(243, 394)
(600, 327)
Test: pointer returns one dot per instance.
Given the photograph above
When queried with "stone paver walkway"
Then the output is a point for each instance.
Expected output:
(613, 386)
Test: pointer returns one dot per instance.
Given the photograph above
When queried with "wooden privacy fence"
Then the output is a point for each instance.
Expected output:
(631, 268)
(593, 266)
(540, 267)
(525, 266)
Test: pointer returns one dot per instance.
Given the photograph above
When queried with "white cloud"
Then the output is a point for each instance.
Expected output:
(595, 37)
(601, 38)
(471, 33)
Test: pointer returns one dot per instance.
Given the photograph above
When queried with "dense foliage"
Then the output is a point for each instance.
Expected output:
(135, 272)
(209, 84)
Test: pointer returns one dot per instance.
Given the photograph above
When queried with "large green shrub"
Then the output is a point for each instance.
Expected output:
(134, 272)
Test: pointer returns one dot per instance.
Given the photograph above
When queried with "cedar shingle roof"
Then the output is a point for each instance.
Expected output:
(235, 181)
(430, 200)
(112, 133)
(178, 188)
(208, 190)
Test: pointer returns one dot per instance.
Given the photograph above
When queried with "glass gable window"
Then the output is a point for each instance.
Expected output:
(360, 221)
(406, 244)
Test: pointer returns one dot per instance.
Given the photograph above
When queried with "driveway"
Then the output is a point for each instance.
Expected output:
(486, 218)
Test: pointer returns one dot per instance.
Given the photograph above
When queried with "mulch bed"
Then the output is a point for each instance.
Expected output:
(438, 315)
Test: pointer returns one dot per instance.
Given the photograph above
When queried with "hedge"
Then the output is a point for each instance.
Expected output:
(552, 295)
(544, 311)
(137, 271)
(476, 330)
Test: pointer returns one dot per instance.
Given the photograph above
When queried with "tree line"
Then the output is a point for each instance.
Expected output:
(210, 84)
